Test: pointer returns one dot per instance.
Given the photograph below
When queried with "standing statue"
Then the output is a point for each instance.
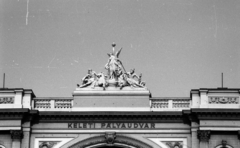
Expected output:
(114, 65)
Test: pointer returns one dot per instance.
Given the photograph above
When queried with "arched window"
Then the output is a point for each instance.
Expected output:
(224, 145)
(221, 146)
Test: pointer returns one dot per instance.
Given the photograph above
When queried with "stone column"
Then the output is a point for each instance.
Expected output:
(17, 136)
(26, 138)
(204, 137)
(194, 130)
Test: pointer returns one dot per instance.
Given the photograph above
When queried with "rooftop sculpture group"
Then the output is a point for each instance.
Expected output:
(116, 76)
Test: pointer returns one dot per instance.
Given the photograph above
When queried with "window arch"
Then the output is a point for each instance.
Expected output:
(221, 146)
(224, 145)
(1, 146)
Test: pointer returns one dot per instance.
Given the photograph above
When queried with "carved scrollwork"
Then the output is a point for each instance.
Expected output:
(110, 138)
(6, 100)
(203, 135)
(223, 100)
(48, 144)
(16, 134)
(173, 144)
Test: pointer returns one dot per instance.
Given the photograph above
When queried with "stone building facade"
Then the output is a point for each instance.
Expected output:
(209, 118)
(117, 111)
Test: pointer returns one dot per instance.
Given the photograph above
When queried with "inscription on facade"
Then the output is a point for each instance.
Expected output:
(104, 125)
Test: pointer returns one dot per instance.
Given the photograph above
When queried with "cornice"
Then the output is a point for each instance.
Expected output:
(17, 114)
(110, 116)
(211, 114)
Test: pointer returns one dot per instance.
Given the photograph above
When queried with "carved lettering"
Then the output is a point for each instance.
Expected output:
(84, 125)
(75, 125)
(123, 125)
(129, 125)
(141, 125)
(102, 125)
(118, 125)
(70, 125)
(91, 125)
(152, 125)
(109, 125)
(114, 125)
(135, 125)
(146, 125)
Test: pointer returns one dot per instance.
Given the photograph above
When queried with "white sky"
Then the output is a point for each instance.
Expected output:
(48, 45)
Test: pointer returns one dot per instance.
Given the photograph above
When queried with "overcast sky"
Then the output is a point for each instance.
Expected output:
(178, 45)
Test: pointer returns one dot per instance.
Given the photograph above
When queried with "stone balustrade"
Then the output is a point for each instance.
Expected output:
(170, 103)
(52, 103)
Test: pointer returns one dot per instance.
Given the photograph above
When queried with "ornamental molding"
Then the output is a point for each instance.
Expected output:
(16, 134)
(110, 139)
(6, 100)
(223, 100)
(98, 117)
(203, 135)
(48, 144)
(170, 142)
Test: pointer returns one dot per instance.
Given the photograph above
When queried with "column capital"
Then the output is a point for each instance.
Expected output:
(16, 134)
(203, 135)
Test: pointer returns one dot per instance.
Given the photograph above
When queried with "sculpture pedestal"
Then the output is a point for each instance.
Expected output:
(111, 99)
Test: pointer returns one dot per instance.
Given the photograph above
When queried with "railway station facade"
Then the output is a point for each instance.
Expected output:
(117, 110)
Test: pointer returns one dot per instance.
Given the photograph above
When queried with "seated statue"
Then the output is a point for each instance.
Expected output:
(99, 80)
(88, 79)
(132, 81)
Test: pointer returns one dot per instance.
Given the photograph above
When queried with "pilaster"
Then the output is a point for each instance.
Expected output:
(204, 136)
(194, 132)
(26, 127)
(16, 136)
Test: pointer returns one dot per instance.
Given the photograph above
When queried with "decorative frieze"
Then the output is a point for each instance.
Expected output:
(42, 103)
(16, 134)
(47, 144)
(6, 100)
(63, 103)
(203, 135)
(170, 142)
(181, 103)
(223, 100)
(159, 103)
(173, 144)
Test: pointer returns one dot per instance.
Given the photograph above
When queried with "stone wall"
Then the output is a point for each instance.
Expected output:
(5, 139)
